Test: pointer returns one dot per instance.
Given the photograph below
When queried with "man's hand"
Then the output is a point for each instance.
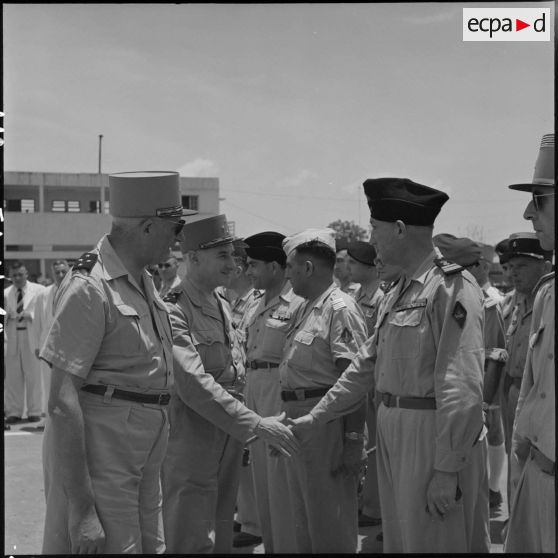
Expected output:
(87, 535)
(354, 457)
(441, 495)
(279, 436)
(302, 427)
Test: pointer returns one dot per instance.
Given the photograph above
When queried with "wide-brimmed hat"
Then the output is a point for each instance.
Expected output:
(544, 167)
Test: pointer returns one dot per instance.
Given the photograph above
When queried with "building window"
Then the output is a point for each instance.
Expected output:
(95, 206)
(190, 202)
(20, 206)
(65, 206)
(107, 206)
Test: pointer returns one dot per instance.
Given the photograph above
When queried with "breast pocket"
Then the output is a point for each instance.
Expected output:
(128, 329)
(274, 335)
(405, 332)
(211, 349)
(303, 348)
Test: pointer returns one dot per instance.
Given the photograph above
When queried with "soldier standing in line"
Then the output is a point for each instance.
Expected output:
(425, 361)
(321, 482)
(532, 524)
(361, 257)
(201, 470)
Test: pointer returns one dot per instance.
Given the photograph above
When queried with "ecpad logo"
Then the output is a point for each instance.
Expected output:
(506, 24)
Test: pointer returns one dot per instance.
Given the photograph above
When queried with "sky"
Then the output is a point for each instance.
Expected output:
(291, 106)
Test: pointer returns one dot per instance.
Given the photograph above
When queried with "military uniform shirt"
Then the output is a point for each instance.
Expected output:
(428, 343)
(368, 302)
(494, 332)
(269, 324)
(329, 328)
(535, 414)
(517, 337)
(208, 323)
(108, 331)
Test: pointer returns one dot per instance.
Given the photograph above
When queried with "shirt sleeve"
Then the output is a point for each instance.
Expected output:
(457, 315)
(199, 390)
(351, 388)
(78, 328)
(347, 333)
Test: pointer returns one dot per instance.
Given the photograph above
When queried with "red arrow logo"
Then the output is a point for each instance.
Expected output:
(519, 25)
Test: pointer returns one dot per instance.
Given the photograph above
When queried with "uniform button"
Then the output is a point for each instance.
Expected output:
(543, 395)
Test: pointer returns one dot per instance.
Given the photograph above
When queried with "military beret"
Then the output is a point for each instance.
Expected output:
(393, 199)
(362, 252)
(502, 250)
(205, 233)
(462, 251)
(266, 246)
(527, 244)
(326, 236)
(544, 167)
(146, 194)
(341, 244)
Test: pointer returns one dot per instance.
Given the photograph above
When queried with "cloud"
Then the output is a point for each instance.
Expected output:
(302, 179)
(199, 168)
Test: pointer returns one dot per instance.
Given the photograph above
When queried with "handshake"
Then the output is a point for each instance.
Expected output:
(285, 436)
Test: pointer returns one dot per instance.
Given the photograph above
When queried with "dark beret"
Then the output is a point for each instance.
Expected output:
(341, 244)
(527, 244)
(462, 251)
(393, 199)
(362, 252)
(502, 250)
(266, 246)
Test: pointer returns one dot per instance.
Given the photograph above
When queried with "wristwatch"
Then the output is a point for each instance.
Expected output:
(354, 436)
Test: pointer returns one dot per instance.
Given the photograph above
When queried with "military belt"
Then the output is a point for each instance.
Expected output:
(303, 394)
(545, 465)
(260, 364)
(149, 398)
(390, 400)
(21, 328)
(511, 381)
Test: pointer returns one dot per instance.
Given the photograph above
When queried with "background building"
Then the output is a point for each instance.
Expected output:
(49, 216)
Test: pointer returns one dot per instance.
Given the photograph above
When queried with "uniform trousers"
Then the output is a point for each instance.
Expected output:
(508, 404)
(125, 444)
(246, 507)
(262, 393)
(23, 379)
(370, 492)
(200, 478)
(532, 523)
(324, 506)
(45, 379)
(405, 458)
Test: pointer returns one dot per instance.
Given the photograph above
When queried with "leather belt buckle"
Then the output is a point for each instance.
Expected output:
(164, 399)
(299, 394)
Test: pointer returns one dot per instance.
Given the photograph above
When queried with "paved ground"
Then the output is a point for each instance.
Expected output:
(25, 506)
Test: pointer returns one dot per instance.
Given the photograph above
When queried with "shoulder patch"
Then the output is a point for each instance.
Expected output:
(338, 303)
(542, 280)
(460, 314)
(448, 268)
(171, 297)
(86, 262)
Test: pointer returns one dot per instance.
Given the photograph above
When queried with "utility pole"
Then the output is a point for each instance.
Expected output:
(100, 142)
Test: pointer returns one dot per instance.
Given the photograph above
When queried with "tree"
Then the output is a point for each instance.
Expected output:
(349, 230)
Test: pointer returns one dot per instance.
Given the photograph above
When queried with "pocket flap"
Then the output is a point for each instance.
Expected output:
(407, 317)
(126, 310)
(304, 337)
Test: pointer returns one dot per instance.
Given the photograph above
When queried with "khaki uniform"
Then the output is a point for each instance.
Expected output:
(109, 331)
(532, 524)
(23, 384)
(202, 467)
(267, 328)
(369, 302)
(428, 344)
(323, 506)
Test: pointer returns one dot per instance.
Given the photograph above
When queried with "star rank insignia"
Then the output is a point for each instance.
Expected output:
(346, 335)
(460, 314)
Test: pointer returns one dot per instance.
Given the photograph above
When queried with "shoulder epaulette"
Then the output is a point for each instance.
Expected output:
(543, 280)
(172, 297)
(85, 262)
(448, 268)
